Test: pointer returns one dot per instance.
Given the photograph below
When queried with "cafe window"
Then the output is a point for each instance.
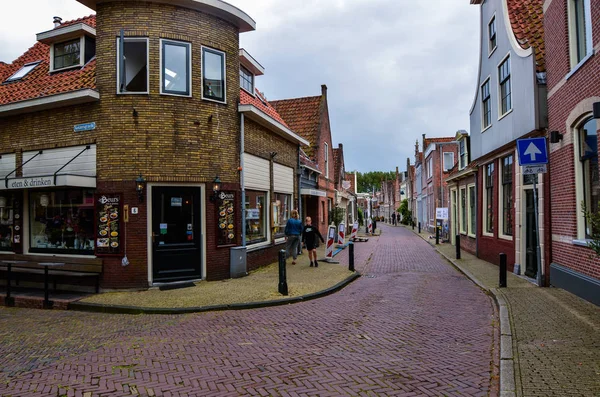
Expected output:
(281, 212)
(175, 71)
(256, 217)
(8, 210)
(62, 222)
(213, 74)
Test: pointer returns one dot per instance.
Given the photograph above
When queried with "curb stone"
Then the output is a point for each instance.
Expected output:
(507, 369)
(118, 309)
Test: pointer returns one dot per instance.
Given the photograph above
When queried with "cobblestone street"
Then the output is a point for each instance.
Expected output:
(412, 325)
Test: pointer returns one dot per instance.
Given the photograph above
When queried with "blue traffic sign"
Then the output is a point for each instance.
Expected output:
(532, 151)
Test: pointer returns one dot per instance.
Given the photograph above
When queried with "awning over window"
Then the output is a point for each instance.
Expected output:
(74, 166)
(313, 192)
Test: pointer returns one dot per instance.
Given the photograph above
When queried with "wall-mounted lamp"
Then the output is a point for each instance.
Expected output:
(596, 107)
(135, 113)
(555, 137)
(216, 188)
(140, 184)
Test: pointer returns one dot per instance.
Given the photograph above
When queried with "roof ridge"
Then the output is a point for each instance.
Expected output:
(74, 21)
(298, 98)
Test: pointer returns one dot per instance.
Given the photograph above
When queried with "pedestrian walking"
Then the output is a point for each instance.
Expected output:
(374, 224)
(309, 238)
(293, 230)
(394, 219)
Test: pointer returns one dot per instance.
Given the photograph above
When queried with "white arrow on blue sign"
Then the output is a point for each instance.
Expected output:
(532, 151)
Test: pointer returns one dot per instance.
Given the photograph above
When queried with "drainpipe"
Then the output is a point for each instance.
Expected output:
(243, 187)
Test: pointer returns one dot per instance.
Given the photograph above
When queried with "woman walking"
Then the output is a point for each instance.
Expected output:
(309, 237)
(293, 229)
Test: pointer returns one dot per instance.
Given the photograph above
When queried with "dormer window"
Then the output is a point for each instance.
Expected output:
(23, 71)
(246, 80)
(67, 54)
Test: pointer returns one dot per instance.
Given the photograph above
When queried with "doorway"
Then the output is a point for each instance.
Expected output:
(176, 233)
(530, 236)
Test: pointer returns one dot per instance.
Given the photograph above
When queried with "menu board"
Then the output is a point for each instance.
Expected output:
(108, 211)
(226, 233)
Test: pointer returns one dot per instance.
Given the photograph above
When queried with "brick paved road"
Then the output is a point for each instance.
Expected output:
(411, 326)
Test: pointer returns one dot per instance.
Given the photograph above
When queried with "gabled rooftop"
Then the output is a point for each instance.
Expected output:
(303, 116)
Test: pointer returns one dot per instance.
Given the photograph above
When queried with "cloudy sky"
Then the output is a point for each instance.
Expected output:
(395, 69)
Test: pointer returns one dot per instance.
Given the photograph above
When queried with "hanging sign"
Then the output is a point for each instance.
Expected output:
(226, 229)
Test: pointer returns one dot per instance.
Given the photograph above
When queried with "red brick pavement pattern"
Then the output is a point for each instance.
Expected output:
(412, 326)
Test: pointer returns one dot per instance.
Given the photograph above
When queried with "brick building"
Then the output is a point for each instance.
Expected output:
(135, 113)
(572, 34)
(509, 104)
(309, 117)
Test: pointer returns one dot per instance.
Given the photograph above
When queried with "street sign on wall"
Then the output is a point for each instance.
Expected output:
(532, 151)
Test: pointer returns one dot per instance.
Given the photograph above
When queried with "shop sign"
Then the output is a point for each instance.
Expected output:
(108, 210)
(25, 183)
(84, 127)
(252, 213)
(226, 229)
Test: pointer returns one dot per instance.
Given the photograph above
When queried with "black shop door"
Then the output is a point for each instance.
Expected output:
(176, 238)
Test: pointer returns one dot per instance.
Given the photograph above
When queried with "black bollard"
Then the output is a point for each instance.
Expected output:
(502, 270)
(419, 227)
(458, 246)
(437, 234)
(412, 222)
(351, 256)
(283, 288)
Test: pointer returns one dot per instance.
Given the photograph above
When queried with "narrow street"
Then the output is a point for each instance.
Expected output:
(411, 325)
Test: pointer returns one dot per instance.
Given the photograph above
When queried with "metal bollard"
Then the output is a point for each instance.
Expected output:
(419, 227)
(437, 234)
(502, 270)
(458, 246)
(351, 256)
(283, 288)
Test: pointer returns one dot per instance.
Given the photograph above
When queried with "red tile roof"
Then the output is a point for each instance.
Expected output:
(303, 115)
(261, 103)
(527, 21)
(89, 20)
(40, 82)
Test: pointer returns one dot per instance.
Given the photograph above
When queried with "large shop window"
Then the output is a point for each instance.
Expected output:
(213, 74)
(588, 157)
(281, 212)
(8, 211)
(256, 217)
(175, 68)
(62, 222)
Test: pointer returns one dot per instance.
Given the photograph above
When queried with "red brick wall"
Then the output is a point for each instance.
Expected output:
(564, 96)
(325, 184)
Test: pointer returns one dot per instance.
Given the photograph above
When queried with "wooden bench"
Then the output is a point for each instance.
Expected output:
(54, 266)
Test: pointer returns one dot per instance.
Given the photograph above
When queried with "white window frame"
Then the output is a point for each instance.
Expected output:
(484, 202)
(119, 92)
(573, 36)
(429, 167)
(490, 49)
(499, 96)
(81, 55)
(462, 166)
(486, 81)
(462, 211)
(446, 169)
(202, 49)
(269, 236)
(471, 214)
(162, 67)
(326, 146)
(501, 196)
(579, 182)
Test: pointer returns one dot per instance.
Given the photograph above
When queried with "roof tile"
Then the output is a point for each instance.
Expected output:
(303, 117)
(260, 102)
(527, 21)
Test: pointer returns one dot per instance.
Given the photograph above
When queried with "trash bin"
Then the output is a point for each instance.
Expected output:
(237, 262)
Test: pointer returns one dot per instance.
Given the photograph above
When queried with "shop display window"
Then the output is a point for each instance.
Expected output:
(256, 217)
(62, 221)
(7, 222)
(281, 213)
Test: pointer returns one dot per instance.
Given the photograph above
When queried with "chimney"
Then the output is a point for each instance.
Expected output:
(324, 90)
(57, 21)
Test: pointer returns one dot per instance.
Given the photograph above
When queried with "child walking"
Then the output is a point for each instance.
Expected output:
(309, 237)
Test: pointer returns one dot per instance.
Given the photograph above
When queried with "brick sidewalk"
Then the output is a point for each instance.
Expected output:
(555, 335)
